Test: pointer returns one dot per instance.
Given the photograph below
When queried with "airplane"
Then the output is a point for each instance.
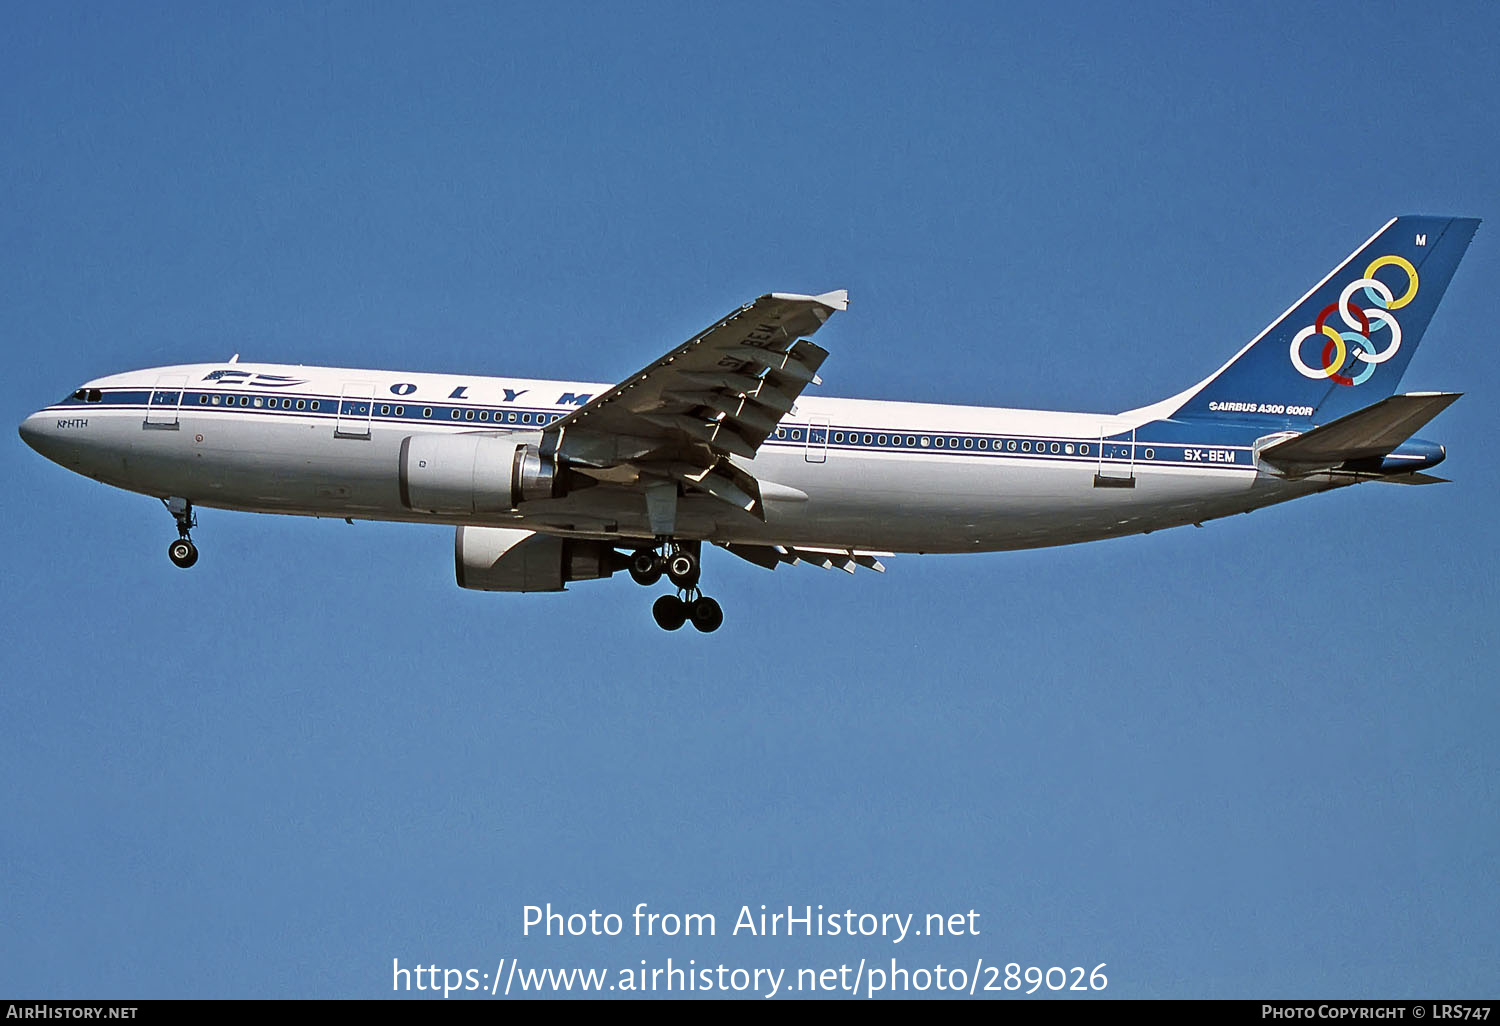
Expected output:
(551, 482)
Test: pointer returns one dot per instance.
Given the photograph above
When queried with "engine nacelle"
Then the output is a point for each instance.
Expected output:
(474, 473)
(506, 559)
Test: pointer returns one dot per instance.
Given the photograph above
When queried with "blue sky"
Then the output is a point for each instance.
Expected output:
(1251, 760)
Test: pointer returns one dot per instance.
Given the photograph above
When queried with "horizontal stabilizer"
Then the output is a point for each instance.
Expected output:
(1414, 478)
(1362, 436)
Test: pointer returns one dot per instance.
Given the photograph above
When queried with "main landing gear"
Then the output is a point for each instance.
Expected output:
(679, 561)
(182, 551)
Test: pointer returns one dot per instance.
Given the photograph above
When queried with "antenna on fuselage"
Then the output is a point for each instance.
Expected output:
(235, 358)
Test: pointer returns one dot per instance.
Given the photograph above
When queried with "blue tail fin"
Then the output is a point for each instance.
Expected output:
(1346, 343)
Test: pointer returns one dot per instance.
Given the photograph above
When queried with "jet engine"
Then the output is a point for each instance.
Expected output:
(507, 559)
(474, 473)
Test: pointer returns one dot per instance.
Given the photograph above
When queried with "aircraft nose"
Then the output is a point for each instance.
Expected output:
(31, 432)
(38, 431)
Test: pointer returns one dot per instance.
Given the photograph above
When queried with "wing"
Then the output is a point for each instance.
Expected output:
(718, 395)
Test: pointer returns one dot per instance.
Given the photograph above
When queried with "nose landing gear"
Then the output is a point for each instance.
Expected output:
(182, 551)
(680, 562)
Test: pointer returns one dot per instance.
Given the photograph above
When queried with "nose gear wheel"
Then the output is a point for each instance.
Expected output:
(182, 552)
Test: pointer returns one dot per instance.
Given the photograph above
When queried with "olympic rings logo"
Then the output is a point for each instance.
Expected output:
(1338, 344)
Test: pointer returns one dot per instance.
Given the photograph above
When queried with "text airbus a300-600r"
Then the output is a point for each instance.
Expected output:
(548, 482)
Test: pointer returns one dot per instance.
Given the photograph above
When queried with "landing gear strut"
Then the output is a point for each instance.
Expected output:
(680, 562)
(182, 551)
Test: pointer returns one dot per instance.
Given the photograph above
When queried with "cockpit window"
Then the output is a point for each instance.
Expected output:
(88, 395)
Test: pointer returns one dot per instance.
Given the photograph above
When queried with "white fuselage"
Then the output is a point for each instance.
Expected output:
(841, 473)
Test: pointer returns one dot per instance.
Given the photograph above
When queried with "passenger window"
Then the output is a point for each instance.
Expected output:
(400, 411)
(427, 411)
(938, 443)
(314, 404)
(867, 439)
(880, 439)
(1025, 446)
(484, 414)
(216, 400)
(202, 399)
(302, 405)
(468, 415)
(259, 402)
(385, 410)
(452, 414)
(968, 443)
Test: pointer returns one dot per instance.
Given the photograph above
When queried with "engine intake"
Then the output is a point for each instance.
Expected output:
(475, 473)
(507, 559)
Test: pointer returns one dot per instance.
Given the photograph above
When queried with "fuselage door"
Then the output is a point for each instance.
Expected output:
(356, 407)
(165, 401)
(1116, 468)
(817, 440)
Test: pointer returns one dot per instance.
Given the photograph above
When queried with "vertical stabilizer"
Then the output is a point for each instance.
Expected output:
(1346, 344)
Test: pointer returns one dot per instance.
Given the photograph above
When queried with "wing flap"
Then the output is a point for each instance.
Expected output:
(772, 556)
